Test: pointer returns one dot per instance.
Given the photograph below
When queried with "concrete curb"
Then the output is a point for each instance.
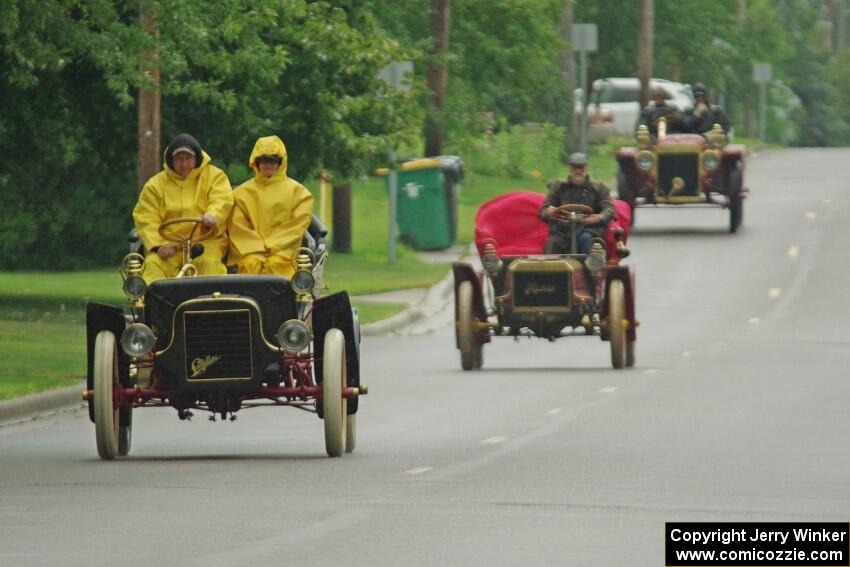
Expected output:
(30, 406)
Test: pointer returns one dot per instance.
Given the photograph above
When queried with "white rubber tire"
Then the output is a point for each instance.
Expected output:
(616, 318)
(105, 381)
(334, 406)
(465, 336)
(630, 354)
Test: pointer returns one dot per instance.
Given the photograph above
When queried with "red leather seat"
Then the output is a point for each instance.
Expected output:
(511, 223)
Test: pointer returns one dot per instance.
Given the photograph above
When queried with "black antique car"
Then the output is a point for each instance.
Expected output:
(221, 344)
(524, 292)
(683, 170)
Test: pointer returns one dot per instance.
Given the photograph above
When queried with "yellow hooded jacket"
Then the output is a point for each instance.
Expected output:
(165, 196)
(270, 214)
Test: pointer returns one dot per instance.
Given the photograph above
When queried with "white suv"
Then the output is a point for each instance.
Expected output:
(614, 106)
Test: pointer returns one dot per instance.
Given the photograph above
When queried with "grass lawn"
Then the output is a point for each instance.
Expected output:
(40, 356)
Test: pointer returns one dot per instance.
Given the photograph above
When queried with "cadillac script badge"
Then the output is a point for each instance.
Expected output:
(200, 365)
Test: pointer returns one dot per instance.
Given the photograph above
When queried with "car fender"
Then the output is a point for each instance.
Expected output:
(334, 312)
(104, 317)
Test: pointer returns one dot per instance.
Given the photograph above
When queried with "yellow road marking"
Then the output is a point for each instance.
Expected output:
(417, 470)
(793, 251)
(774, 293)
(754, 320)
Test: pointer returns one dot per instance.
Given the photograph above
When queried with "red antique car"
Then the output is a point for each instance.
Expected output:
(683, 170)
(524, 292)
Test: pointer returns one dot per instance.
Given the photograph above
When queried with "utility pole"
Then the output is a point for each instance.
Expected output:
(749, 115)
(568, 74)
(149, 100)
(437, 78)
(645, 43)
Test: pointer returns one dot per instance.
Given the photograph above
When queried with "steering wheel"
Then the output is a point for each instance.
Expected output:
(570, 213)
(172, 235)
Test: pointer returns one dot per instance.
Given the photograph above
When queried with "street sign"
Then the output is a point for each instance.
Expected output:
(394, 75)
(584, 37)
(762, 72)
(584, 41)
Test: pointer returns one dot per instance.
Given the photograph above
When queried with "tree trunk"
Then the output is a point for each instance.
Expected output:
(149, 102)
(645, 44)
(341, 238)
(437, 78)
(568, 72)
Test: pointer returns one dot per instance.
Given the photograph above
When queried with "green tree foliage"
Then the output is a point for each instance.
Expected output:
(231, 71)
(66, 158)
(807, 73)
(503, 58)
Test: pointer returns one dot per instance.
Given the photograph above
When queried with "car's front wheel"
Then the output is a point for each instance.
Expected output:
(334, 406)
(469, 350)
(736, 200)
(105, 383)
(616, 319)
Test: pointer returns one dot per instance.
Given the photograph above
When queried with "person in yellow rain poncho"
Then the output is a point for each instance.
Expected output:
(270, 214)
(188, 186)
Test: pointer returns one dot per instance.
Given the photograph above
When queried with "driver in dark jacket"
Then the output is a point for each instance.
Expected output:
(660, 108)
(705, 115)
(578, 189)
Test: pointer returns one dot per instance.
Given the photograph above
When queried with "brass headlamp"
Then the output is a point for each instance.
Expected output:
(715, 137)
(643, 140)
(490, 260)
(134, 286)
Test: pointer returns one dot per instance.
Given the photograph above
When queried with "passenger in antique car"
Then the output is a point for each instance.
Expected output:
(704, 115)
(188, 186)
(577, 189)
(658, 108)
(270, 216)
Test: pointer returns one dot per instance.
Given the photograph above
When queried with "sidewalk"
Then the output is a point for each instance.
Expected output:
(422, 303)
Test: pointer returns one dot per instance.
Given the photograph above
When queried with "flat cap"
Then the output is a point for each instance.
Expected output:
(577, 159)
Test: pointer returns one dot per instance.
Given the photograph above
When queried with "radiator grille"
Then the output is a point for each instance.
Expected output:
(218, 345)
(684, 166)
(541, 289)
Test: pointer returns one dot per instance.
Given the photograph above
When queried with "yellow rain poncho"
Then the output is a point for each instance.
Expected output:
(269, 218)
(206, 190)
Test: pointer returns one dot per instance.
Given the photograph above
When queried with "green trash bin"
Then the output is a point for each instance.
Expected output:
(427, 202)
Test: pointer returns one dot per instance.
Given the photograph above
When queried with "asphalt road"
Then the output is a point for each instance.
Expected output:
(737, 410)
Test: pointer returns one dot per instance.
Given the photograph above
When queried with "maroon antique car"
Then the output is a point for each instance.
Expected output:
(683, 170)
(524, 292)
